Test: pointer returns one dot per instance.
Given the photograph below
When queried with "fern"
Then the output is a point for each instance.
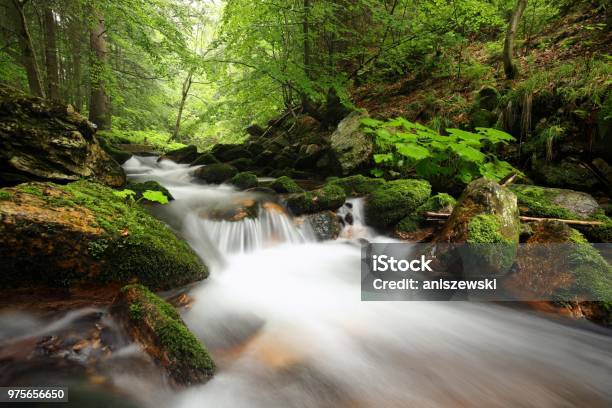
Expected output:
(461, 156)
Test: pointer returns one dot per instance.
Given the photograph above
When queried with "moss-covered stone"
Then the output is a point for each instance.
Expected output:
(120, 156)
(216, 173)
(441, 202)
(546, 202)
(358, 185)
(394, 200)
(242, 164)
(158, 327)
(564, 174)
(285, 185)
(83, 234)
(351, 146)
(205, 158)
(184, 155)
(245, 180)
(329, 197)
(140, 188)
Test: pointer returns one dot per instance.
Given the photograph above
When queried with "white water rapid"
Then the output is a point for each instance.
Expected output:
(282, 316)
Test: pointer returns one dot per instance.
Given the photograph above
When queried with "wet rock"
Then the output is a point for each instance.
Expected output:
(204, 158)
(184, 155)
(216, 173)
(394, 200)
(329, 197)
(120, 155)
(352, 147)
(284, 184)
(358, 185)
(245, 180)
(158, 327)
(83, 234)
(325, 225)
(140, 188)
(235, 210)
(45, 140)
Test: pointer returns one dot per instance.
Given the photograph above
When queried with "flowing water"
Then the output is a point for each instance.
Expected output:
(282, 317)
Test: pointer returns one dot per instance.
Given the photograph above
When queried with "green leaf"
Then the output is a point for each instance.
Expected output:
(495, 135)
(371, 122)
(383, 158)
(467, 152)
(412, 151)
(377, 172)
(125, 193)
(155, 196)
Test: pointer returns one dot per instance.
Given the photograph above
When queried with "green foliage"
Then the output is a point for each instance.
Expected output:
(155, 196)
(461, 156)
(158, 140)
(5, 195)
(125, 194)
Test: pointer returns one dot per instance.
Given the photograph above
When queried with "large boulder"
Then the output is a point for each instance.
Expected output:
(83, 234)
(160, 330)
(329, 197)
(184, 155)
(352, 147)
(46, 140)
(487, 218)
(394, 200)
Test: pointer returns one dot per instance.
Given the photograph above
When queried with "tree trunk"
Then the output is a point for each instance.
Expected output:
(509, 67)
(306, 39)
(77, 88)
(53, 90)
(184, 93)
(28, 57)
(99, 103)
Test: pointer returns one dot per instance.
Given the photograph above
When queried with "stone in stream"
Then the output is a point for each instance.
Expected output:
(394, 200)
(82, 234)
(159, 328)
(47, 140)
(184, 155)
(216, 173)
(328, 197)
(285, 184)
(245, 180)
(325, 224)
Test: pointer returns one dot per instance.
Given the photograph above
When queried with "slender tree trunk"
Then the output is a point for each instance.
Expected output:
(53, 89)
(77, 87)
(99, 103)
(510, 68)
(306, 30)
(28, 56)
(184, 93)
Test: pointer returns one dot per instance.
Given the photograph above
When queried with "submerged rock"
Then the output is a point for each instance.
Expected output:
(216, 173)
(184, 155)
(394, 200)
(158, 327)
(46, 140)
(352, 147)
(84, 234)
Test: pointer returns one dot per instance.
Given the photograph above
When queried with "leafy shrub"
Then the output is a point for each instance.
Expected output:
(459, 157)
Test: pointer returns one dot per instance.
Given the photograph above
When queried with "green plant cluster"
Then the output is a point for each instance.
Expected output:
(460, 156)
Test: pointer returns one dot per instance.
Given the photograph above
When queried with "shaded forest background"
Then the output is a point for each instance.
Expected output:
(199, 72)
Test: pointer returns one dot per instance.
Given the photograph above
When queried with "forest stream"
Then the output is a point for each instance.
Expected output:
(281, 315)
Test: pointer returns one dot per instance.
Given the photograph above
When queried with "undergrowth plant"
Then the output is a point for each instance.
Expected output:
(459, 157)
(149, 195)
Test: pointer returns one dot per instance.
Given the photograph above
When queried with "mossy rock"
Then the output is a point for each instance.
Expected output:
(482, 118)
(487, 218)
(229, 152)
(245, 180)
(559, 263)
(394, 200)
(285, 184)
(158, 327)
(564, 174)
(242, 164)
(216, 173)
(120, 156)
(358, 185)
(83, 234)
(184, 155)
(547, 202)
(329, 197)
(204, 158)
(487, 98)
(151, 185)
(441, 202)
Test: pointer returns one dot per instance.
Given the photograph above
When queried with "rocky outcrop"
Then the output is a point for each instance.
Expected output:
(351, 146)
(45, 140)
(83, 234)
(161, 332)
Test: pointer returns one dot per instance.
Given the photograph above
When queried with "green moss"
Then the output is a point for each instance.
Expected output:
(285, 184)
(592, 273)
(135, 245)
(140, 188)
(183, 349)
(245, 180)
(414, 221)
(485, 229)
(33, 189)
(205, 158)
(216, 173)
(488, 250)
(329, 197)
(394, 200)
(5, 195)
(120, 156)
(358, 185)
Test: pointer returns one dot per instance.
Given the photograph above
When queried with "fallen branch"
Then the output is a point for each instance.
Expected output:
(509, 179)
(436, 216)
